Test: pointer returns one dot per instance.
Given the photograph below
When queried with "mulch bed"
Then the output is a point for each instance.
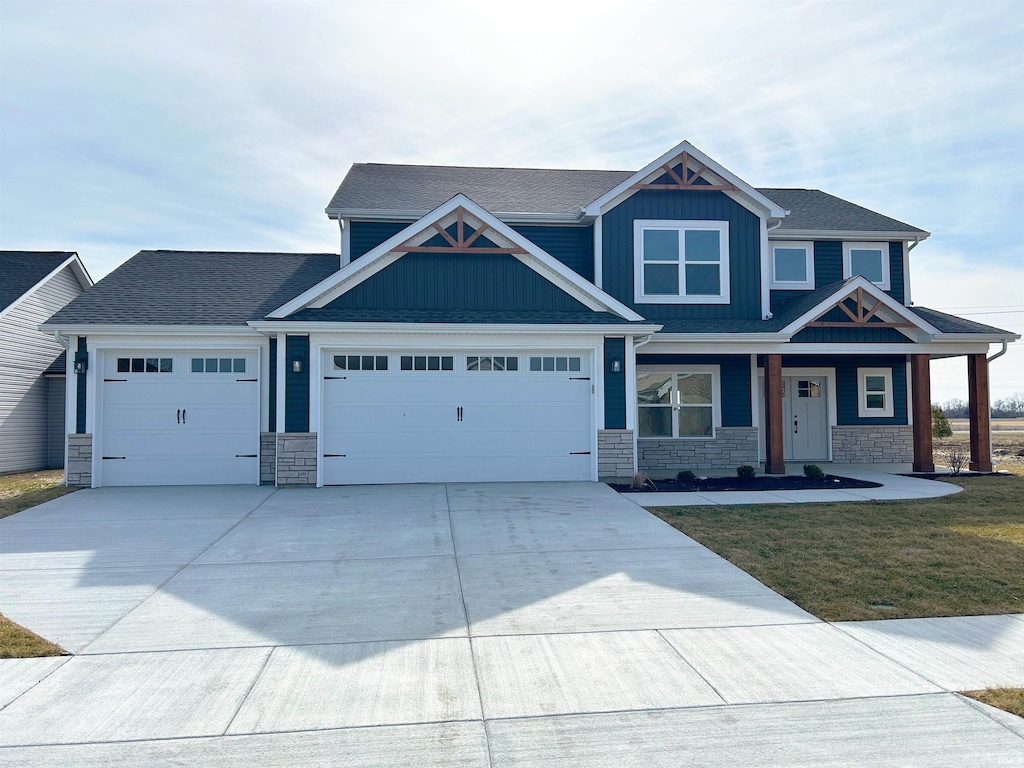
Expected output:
(760, 483)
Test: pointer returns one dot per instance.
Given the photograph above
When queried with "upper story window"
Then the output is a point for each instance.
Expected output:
(681, 262)
(792, 265)
(868, 259)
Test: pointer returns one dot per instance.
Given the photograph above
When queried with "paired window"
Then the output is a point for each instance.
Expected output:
(555, 363)
(874, 392)
(360, 362)
(145, 365)
(427, 363)
(492, 363)
(793, 265)
(868, 259)
(218, 365)
(683, 403)
(681, 262)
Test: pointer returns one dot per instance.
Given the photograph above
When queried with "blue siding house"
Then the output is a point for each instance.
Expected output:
(486, 324)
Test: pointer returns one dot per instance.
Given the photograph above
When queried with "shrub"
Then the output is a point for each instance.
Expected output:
(745, 472)
(813, 471)
(641, 482)
(957, 459)
(940, 424)
(687, 477)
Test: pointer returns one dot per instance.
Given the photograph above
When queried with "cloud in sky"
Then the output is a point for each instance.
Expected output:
(228, 125)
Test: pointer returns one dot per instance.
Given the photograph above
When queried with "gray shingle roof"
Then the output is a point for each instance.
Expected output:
(816, 210)
(20, 270)
(378, 186)
(953, 324)
(421, 188)
(197, 288)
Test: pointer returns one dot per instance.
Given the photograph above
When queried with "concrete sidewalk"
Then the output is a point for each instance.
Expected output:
(460, 625)
(894, 488)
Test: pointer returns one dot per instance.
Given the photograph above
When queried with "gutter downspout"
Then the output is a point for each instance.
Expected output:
(988, 360)
(766, 268)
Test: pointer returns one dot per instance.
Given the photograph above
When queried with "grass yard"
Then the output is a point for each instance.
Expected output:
(1007, 699)
(26, 489)
(17, 493)
(961, 555)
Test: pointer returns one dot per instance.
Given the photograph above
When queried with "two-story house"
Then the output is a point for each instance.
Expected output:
(485, 324)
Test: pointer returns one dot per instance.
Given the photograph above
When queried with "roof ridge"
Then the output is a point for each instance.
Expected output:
(240, 253)
(497, 167)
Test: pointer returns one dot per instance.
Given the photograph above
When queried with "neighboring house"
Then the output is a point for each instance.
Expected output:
(33, 285)
(490, 324)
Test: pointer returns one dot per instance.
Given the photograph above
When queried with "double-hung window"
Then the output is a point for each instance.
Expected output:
(682, 403)
(792, 265)
(681, 262)
(868, 259)
(874, 392)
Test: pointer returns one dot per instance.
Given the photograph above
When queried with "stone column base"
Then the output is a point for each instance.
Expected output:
(870, 444)
(78, 472)
(296, 458)
(268, 458)
(615, 460)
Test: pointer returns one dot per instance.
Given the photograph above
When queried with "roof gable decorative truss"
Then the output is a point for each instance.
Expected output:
(458, 226)
(697, 172)
(858, 303)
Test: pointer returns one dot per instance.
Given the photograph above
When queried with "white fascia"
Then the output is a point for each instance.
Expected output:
(149, 330)
(452, 329)
(845, 234)
(872, 290)
(76, 266)
(380, 257)
(761, 204)
(400, 215)
(935, 349)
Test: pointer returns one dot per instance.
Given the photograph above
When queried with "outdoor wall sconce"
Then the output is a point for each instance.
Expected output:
(297, 365)
(81, 362)
(616, 365)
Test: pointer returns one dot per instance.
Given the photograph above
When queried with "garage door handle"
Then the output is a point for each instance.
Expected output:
(458, 413)
(182, 415)
(179, 415)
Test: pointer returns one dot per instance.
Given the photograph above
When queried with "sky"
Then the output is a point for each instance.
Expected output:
(228, 125)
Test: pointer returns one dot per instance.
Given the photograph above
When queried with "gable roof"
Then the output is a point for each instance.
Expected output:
(195, 288)
(814, 210)
(428, 227)
(953, 324)
(418, 189)
(407, 192)
(20, 271)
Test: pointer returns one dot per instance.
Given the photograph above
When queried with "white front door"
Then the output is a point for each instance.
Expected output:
(805, 418)
(179, 418)
(440, 416)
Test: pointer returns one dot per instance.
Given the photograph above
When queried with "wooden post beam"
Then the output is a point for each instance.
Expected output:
(774, 463)
(980, 413)
(920, 384)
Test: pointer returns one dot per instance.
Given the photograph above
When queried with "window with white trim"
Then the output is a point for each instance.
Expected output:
(868, 259)
(792, 265)
(683, 403)
(218, 365)
(360, 362)
(556, 363)
(145, 365)
(427, 362)
(681, 262)
(874, 392)
(492, 363)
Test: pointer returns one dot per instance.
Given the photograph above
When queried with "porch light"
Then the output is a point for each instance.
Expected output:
(297, 365)
(616, 365)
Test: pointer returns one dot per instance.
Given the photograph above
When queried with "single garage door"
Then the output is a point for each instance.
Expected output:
(180, 418)
(454, 417)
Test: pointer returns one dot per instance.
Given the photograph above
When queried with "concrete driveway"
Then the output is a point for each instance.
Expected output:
(448, 625)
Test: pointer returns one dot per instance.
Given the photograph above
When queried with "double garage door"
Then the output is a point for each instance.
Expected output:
(453, 416)
(179, 418)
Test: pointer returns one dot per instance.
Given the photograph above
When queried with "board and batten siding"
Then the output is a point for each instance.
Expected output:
(744, 251)
(25, 352)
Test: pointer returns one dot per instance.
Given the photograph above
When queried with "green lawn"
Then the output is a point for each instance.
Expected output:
(26, 489)
(959, 555)
(17, 493)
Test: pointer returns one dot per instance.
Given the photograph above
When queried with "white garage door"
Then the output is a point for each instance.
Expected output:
(451, 417)
(180, 418)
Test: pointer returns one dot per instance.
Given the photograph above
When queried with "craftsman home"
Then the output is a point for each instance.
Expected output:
(486, 324)
(33, 285)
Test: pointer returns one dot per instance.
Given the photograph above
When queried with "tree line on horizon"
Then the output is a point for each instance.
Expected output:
(1007, 408)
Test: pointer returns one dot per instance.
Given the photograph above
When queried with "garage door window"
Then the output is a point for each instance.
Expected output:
(145, 365)
(492, 363)
(554, 363)
(360, 362)
(427, 363)
(218, 365)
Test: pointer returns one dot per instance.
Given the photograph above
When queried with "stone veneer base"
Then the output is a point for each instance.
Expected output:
(615, 455)
(78, 472)
(296, 458)
(871, 444)
(731, 447)
(268, 458)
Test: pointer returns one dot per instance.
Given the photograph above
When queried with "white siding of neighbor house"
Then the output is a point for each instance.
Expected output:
(25, 352)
